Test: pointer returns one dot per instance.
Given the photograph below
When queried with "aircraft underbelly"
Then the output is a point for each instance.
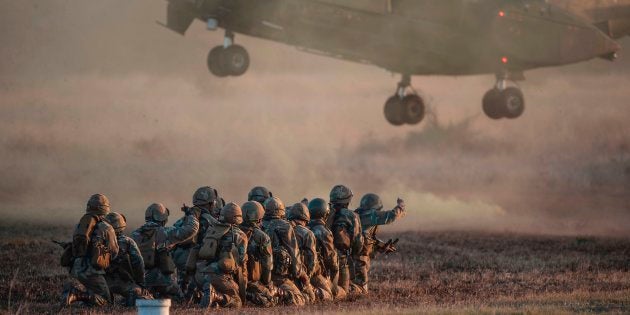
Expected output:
(410, 45)
(391, 42)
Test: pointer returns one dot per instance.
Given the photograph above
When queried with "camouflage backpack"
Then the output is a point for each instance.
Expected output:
(82, 234)
(100, 248)
(210, 243)
(281, 257)
(341, 231)
(152, 245)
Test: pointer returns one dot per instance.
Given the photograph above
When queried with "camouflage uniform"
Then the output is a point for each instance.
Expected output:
(371, 216)
(91, 230)
(220, 260)
(206, 220)
(125, 275)
(160, 278)
(325, 277)
(180, 256)
(286, 254)
(119, 279)
(205, 201)
(346, 229)
(299, 217)
(259, 258)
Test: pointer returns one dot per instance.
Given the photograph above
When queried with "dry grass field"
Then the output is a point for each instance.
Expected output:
(434, 272)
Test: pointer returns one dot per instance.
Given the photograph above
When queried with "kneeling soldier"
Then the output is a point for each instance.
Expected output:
(299, 216)
(286, 254)
(155, 242)
(93, 247)
(371, 216)
(259, 260)
(326, 276)
(221, 259)
(125, 275)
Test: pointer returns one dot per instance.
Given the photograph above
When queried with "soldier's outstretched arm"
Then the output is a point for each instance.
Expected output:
(387, 217)
(189, 228)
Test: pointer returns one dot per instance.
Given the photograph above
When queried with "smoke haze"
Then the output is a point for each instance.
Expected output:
(96, 97)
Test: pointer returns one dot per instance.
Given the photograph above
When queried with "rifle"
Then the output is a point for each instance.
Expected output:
(383, 247)
(386, 247)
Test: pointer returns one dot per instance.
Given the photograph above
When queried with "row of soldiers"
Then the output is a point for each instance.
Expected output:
(224, 255)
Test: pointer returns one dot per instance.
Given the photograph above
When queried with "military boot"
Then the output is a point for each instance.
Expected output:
(323, 295)
(358, 289)
(261, 298)
(132, 296)
(281, 295)
(130, 300)
(74, 295)
(193, 296)
(209, 297)
(137, 294)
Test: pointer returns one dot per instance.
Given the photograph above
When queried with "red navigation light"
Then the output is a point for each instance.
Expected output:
(504, 60)
(501, 13)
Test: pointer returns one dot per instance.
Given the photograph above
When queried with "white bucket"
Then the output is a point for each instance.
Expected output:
(153, 307)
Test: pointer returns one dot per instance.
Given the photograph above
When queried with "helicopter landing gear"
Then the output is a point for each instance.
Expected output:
(405, 107)
(503, 101)
(229, 59)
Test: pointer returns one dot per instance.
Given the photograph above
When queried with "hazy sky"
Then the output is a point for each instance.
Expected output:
(96, 97)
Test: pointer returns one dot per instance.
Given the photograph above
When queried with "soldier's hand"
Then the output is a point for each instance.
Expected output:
(380, 247)
(196, 212)
(272, 289)
(400, 204)
(390, 249)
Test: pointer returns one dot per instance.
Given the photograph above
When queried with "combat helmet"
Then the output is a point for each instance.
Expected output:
(117, 221)
(205, 195)
(98, 204)
(231, 213)
(259, 193)
(371, 201)
(299, 211)
(253, 212)
(318, 208)
(157, 212)
(340, 195)
(215, 211)
(274, 207)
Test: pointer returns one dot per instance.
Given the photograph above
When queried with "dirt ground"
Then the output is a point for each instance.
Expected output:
(433, 272)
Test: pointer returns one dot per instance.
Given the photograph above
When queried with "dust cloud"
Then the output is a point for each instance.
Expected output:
(96, 97)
